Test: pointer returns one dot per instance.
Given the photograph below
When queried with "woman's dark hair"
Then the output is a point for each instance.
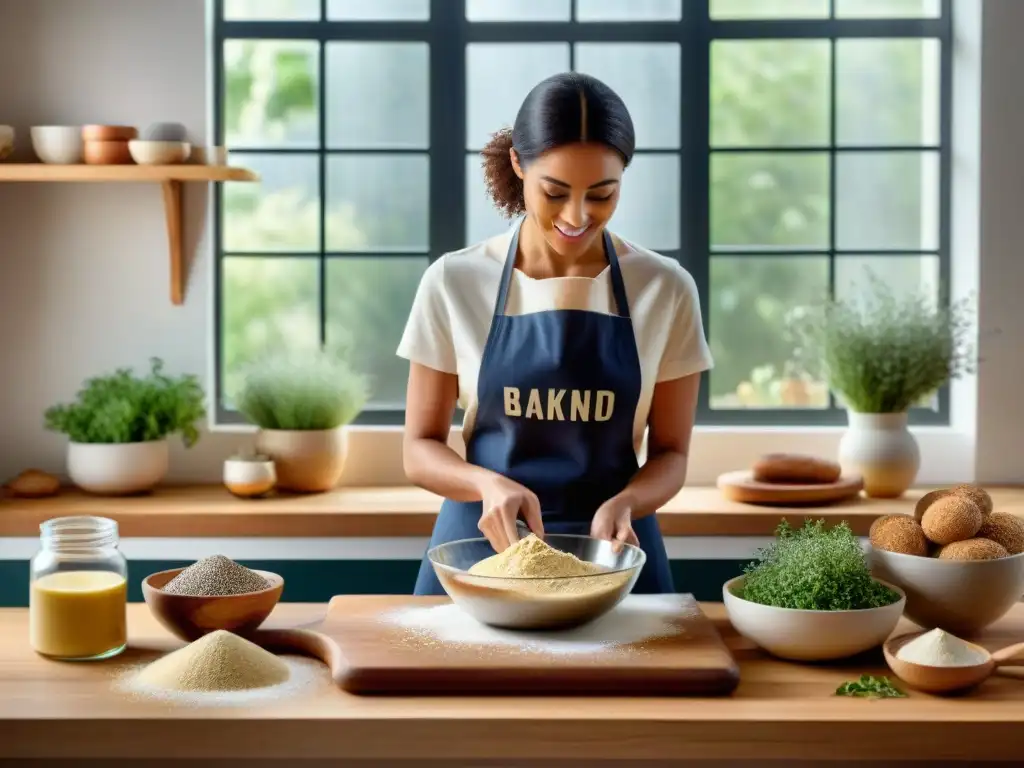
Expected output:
(563, 109)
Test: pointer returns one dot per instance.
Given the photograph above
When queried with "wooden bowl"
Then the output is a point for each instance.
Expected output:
(934, 679)
(109, 132)
(107, 153)
(189, 617)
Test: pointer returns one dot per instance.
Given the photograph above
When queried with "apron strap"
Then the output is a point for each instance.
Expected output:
(618, 284)
(506, 273)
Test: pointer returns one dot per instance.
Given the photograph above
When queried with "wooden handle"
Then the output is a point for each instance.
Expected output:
(304, 642)
(1011, 656)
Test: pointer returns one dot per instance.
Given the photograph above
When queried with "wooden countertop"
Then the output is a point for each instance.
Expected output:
(363, 512)
(780, 711)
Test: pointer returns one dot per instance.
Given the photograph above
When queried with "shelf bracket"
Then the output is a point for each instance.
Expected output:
(171, 179)
(175, 238)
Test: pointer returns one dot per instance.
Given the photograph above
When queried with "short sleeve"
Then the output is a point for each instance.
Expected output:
(427, 338)
(686, 348)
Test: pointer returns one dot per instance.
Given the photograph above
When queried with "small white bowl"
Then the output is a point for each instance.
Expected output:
(57, 144)
(159, 152)
(802, 635)
(249, 478)
(6, 141)
(960, 596)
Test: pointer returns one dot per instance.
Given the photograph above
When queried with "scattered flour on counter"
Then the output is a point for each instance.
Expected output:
(645, 617)
(306, 676)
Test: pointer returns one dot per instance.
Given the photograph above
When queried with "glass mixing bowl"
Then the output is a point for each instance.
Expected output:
(538, 603)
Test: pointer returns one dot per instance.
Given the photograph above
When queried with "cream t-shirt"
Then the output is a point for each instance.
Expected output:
(451, 315)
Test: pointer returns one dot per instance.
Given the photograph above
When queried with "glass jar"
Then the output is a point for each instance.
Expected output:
(78, 590)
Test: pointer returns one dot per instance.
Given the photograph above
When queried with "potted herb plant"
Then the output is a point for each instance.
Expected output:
(882, 354)
(119, 426)
(302, 404)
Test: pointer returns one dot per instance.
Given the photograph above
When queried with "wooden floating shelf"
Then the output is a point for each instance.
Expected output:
(170, 178)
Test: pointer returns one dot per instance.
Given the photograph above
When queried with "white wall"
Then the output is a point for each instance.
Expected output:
(83, 268)
(1000, 453)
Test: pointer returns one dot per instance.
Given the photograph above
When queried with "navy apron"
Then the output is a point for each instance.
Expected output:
(557, 394)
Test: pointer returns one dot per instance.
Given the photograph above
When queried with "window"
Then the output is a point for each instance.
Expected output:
(783, 146)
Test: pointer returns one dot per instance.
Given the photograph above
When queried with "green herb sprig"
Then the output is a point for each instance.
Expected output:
(870, 687)
(883, 352)
(814, 568)
(124, 408)
(303, 390)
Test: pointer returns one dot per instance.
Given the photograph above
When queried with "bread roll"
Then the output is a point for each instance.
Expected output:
(795, 468)
(34, 484)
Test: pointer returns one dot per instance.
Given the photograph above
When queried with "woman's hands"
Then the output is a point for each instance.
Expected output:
(503, 501)
(613, 522)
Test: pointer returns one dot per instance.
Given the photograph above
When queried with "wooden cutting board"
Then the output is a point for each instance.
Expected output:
(370, 647)
(740, 486)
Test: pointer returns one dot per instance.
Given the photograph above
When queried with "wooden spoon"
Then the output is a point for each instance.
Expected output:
(948, 679)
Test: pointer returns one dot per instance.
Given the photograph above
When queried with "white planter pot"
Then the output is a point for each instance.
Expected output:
(118, 469)
(880, 448)
(306, 461)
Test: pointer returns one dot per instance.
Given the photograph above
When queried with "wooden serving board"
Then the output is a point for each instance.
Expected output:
(740, 487)
(369, 653)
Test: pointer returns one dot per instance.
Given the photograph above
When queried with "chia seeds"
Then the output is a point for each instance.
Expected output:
(213, 576)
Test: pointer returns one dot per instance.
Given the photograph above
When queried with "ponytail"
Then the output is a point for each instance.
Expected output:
(503, 185)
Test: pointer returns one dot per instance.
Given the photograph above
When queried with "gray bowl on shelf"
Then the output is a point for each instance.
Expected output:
(165, 132)
(538, 603)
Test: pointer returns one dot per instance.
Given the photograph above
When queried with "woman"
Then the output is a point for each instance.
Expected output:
(562, 343)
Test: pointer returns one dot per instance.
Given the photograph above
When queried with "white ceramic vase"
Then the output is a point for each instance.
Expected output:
(306, 461)
(880, 448)
(118, 469)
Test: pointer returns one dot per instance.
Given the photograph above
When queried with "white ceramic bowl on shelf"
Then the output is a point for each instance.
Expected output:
(960, 596)
(159, 152)
(57, 144)
(118, 469)
(803, 635)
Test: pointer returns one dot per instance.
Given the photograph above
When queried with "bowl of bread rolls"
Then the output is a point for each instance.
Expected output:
(790, 479)
(959, 559)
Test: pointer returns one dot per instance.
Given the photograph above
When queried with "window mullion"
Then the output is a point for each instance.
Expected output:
(322, 182)
(695, 160)
(447, 189)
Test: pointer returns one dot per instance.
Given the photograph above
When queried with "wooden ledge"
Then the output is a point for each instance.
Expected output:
(780, 712)
(207, 511)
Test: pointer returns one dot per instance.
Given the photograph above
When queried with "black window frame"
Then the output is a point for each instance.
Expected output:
(448, 32)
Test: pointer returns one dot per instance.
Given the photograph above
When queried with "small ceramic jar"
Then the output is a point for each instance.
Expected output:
(249, 477)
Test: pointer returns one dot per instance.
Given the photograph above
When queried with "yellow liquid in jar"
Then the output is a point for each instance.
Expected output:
(78, 614)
